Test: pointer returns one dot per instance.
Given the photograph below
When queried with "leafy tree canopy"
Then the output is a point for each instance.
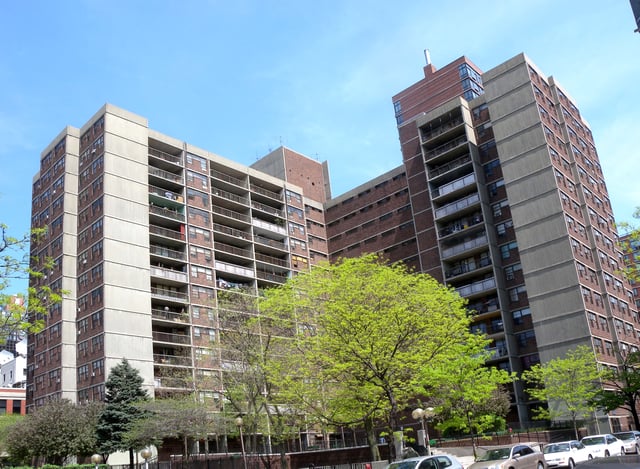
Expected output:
(369, 338)
(567, 385)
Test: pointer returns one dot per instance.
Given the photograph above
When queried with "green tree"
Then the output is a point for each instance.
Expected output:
(253, 344)
(568, 385)
(370, 338)
(54, 431)
(622, 388)
(183, 419)
(23, 311)
(123, 392)
(630, 234)
(472, 397)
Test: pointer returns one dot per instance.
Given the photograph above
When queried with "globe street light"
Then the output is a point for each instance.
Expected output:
(146, 454)
(239, 423)
(423, 434)
(96, 459)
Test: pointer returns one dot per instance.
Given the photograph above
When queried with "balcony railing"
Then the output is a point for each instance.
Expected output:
(166, 232)
(466, 268)
(167, 194)
(169, 294)
(267, 192)
(169, 274)
(167, 212)
(163, 359)
(231, 231)
(457, 205)
(477, 287)
(230, 179)
(445, 147)
(233, 269)
(169, 315)
(465, 246)
(267, 209)
(269, 226)
(167, 252)
(232, 249)
(230, 196)
(271, 276)
(166, 156)
(231, 214)
(165, 174)
(171, 338)
(270, 242)
(429, 134)
(272, 260)
(453, 186)
(445, 168)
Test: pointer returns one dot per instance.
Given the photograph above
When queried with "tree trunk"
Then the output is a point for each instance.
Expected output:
(372, 441)
(131, 461)
(636, 419)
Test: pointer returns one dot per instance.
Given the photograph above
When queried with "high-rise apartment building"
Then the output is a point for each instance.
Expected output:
(145, 231)
(501, 196)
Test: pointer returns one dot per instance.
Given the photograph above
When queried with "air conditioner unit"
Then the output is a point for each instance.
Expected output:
(93, 374)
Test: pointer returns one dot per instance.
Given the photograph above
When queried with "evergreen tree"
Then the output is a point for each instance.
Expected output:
(123, 391)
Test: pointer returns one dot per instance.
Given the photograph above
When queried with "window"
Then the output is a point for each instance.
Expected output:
(505, 249)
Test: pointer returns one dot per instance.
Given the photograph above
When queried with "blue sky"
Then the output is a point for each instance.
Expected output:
(241, 77)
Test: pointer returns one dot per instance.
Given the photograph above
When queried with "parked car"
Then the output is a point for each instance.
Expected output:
(518, 456)
(566, 454)
(437, 461)
(631, 440)
(603, 446)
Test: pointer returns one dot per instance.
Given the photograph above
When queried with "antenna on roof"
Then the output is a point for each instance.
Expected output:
(427, 56)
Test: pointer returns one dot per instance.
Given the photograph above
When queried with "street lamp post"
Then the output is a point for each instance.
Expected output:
(423, 434)
(146, 454)
(239, 423)
(96, 459)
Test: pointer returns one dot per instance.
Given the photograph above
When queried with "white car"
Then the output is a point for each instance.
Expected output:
(603, 446)
(566, 454)
(631, 440)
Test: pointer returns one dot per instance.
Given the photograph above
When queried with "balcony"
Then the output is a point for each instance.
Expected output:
(231, 214)
(167, 233)
(167, 315)
(270, 242)
(218, 228)
(233, 269)
(465, 246)
(177, 160)
(230, 196)
(272, 227)
(429, 134)
(271, 276)
(167, 194)
(162, 359)
(462, 269)
(272, 260)
(168, 294)
(267, 209)
(458, 205)
(446, 147)
(166, 175)
(444, 168)
(163, 251)
(180, 339)
(234, 250)
(265, 192)
(167, 213)
(227, 178)
(477, 287)
(454, 186)
(169, 274)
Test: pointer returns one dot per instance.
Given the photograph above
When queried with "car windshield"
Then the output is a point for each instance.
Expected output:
(556, 448)
(625, 436)
(590, 441)
(403, 465)
(494, 454)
